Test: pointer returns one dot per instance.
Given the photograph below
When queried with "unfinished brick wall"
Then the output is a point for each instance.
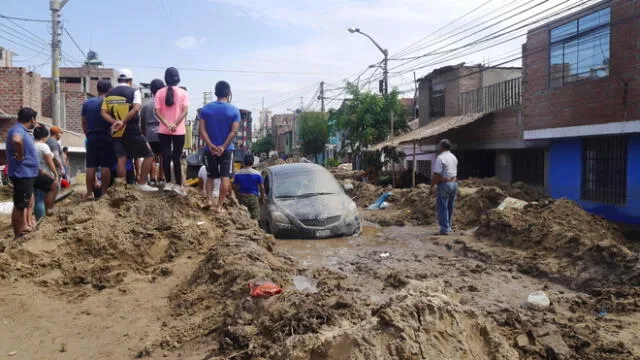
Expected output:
(610, 99)
(501, 125)
(12, 89)
(73, 104)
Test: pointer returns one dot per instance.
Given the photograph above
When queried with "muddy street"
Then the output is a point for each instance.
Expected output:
(157, 289)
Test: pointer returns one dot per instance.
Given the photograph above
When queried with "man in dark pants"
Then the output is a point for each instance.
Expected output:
(121, 108)
(219, 123)
(100, 152)
(22, 159)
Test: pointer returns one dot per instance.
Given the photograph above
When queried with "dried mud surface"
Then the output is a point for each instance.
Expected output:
(137, 275)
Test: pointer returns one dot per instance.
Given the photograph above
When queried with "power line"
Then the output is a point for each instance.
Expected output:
(496, 35)
(20, 36)
(407, 49)
(75, 42)
(17, 43)
(24, 19)
(228, 70)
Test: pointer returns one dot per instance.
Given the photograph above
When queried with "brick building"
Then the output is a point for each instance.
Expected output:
(282, 128)
(478, 109)
(20, 88)
(582, 102)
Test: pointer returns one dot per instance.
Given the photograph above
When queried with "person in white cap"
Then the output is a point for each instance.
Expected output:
(121, 108)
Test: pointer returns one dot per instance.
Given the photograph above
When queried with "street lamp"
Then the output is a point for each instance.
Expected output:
(385, 72)
(384, 52)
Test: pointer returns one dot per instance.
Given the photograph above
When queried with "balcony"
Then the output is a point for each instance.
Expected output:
(503, 95)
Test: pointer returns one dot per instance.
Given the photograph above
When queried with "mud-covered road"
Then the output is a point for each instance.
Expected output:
(155, 276)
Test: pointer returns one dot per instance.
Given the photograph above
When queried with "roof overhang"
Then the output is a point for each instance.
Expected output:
(430, 130)
(620, 127)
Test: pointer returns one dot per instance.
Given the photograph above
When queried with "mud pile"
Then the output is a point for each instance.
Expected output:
(471, 205)
(341, 174)
(518, 190)
(336, 322)
(97, 243)
(363, 194)
(558, 238)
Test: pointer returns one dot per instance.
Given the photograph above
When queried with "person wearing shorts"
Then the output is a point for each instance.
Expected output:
(150, 123)
(22, 159)
(121, 107)
(249, 186)
(100, 152)
(45, 184)
(219, 122)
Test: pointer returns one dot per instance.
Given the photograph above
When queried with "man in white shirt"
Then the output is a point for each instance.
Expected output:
(445, 178)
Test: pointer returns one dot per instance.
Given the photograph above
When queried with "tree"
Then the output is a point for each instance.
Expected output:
(264, 145)
(314, 132)
(364, 118)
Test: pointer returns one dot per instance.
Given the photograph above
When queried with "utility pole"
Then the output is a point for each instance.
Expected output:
(55, 6)
(321, 96)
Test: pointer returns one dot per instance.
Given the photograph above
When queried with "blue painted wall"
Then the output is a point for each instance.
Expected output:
(565, 175)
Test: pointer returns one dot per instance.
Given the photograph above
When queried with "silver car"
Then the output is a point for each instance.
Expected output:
(305, 201)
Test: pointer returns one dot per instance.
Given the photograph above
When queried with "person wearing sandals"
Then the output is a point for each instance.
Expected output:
(172, 107)
(22, 158)
(46, 183)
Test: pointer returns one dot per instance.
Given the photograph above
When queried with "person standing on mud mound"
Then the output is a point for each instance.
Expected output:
(121, 108)
(99, 144)
(219, 123)
(22, 159)
(172, 107)
(444, 179)
(47, 179)
(150, 124)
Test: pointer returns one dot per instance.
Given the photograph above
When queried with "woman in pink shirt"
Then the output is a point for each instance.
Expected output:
(171, 107)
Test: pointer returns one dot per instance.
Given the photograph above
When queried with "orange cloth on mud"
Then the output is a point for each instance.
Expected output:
(264, 290)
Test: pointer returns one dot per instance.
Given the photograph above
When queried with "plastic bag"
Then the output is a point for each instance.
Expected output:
(263, 288)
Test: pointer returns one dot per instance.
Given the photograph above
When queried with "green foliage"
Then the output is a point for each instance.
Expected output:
(365, 118)
(331, 163)
(264, 145)
(313, 131)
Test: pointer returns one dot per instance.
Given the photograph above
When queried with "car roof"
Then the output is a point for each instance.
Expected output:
(295, 167)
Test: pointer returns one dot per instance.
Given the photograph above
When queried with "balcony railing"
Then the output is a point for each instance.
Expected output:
(503, 95)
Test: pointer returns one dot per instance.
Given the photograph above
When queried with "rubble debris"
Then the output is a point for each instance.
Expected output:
(538, 300)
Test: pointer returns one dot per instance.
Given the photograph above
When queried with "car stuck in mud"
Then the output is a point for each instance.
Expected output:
(305, 201)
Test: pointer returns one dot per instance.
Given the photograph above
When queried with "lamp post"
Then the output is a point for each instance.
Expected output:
(385, 90)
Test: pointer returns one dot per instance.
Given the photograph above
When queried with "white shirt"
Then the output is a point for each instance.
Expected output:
(44, 151)
(446, 165)
(137, 95)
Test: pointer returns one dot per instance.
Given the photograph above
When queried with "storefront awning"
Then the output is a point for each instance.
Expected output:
(432, 129)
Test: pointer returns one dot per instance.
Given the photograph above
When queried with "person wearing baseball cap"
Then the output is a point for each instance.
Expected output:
(54, 144)
(121, 108)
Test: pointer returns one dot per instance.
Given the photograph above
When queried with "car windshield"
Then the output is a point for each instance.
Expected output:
(307, 183)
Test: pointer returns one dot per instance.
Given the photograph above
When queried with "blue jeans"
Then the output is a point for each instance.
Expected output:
(39, 208)
(446, 198)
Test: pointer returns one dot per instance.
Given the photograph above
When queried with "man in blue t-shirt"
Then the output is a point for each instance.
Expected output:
(22, 159)
(219, 122)
(248, 184)
(99, 144)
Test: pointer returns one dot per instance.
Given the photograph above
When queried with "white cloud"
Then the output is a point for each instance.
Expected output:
(189, 42)
(327, 47)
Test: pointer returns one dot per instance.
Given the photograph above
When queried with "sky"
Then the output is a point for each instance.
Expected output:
(276, 50)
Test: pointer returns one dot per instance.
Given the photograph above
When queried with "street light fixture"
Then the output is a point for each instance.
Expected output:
(385, 69)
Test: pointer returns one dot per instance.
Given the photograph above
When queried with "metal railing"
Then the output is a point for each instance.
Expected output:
(503, 95)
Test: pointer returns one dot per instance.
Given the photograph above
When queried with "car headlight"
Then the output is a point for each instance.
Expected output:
(279, 218)
(352, 210)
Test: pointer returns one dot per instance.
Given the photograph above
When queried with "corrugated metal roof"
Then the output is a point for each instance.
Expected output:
(432, 129)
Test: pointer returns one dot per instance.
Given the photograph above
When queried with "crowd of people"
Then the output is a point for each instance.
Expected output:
(126, 138)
